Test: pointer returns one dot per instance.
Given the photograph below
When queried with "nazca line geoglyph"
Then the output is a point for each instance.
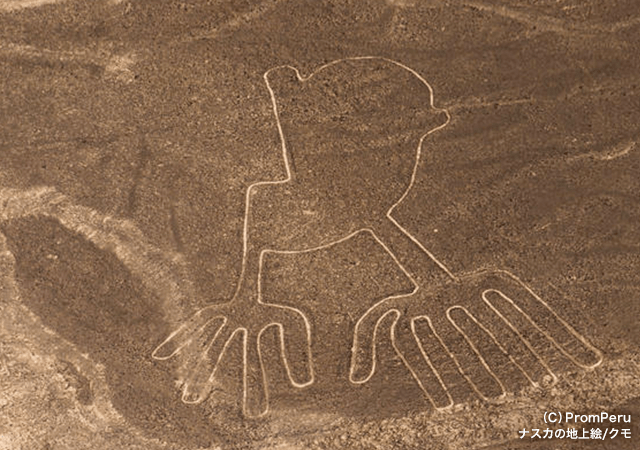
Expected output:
(166, 275)
(198, 387)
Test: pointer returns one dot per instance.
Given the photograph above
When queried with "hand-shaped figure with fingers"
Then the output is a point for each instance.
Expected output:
(487, 326)
(351, 137)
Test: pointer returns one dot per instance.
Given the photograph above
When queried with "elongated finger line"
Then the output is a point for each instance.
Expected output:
(406, 363)
(568, 327)
(428, 359)
(184, 335)
(245, 386)
(296, 313)
(476, 351)
(501, 347)
(285, 358)
(517, 331)
(373, 350)
(455, 360)
(415, 376)
(223, 335)
(171, 339)
(212, 342)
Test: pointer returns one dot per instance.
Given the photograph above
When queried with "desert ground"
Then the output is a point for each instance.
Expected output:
(310, 224)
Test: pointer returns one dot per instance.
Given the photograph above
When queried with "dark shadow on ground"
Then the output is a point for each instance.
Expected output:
(89, 298)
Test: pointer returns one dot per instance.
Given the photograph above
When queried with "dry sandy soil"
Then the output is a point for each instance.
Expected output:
(131, 130)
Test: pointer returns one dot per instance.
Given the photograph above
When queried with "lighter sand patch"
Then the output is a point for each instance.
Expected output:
(12, 5)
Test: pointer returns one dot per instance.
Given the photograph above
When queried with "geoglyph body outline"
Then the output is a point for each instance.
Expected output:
(48, 202)
(452, 277)
(267, 251)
